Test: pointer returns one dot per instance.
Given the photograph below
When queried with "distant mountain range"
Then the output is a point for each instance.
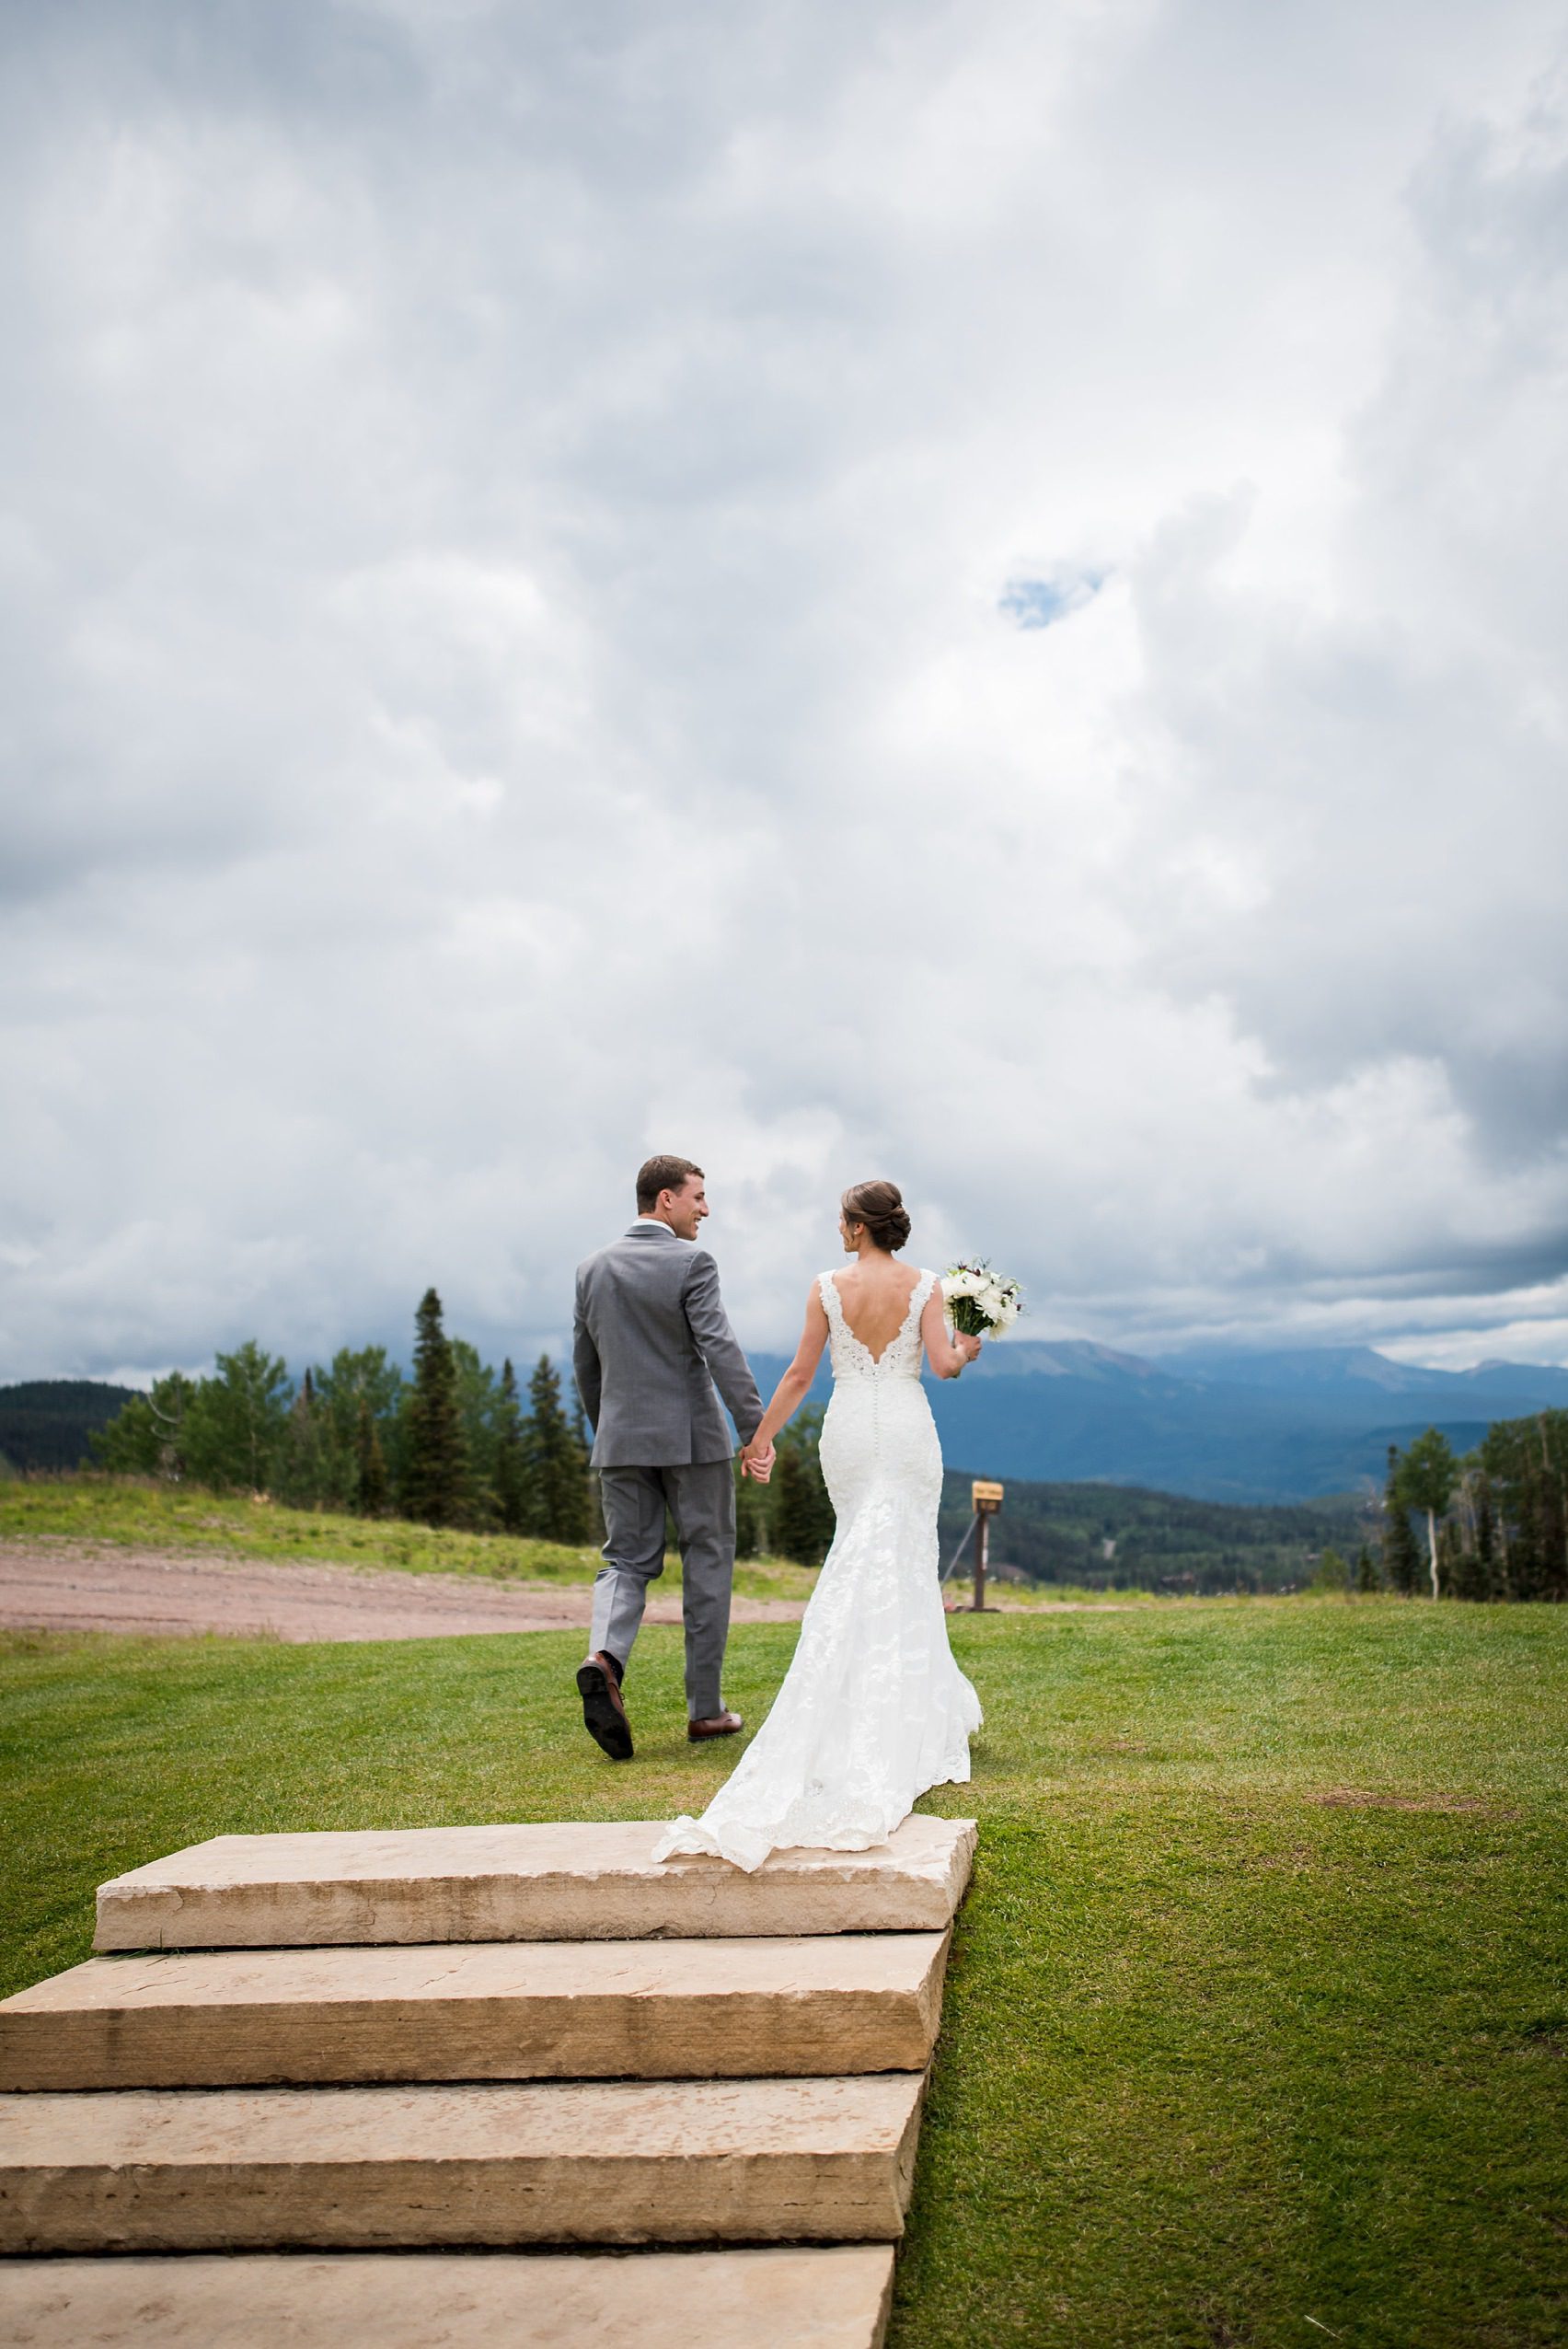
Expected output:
(1211, 1424)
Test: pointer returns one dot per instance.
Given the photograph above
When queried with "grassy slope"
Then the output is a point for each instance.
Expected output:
(157, 1517)
(1217, 2057)
(142, 1515)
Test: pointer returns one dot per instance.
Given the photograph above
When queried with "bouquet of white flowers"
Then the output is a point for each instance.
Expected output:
(980, 1302)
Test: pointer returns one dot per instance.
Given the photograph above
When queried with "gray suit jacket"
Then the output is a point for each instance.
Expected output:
(650, 1328)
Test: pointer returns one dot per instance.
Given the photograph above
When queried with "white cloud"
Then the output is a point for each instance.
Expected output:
(506, 541)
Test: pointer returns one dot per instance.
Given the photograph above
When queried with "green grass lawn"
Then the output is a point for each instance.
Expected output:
(1225, 2058)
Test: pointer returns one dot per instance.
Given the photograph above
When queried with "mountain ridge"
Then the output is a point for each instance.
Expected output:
(1280, 1427)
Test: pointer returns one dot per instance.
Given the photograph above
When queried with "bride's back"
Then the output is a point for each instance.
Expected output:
(874, 1294)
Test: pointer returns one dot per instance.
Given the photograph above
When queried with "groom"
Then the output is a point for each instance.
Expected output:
(650, 1328)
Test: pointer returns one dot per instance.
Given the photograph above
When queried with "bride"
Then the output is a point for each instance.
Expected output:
(873, 1710)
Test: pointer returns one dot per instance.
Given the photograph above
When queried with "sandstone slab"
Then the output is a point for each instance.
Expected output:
(504, 2010)
(567, 1882)
(833, 2297)
(624, 2162)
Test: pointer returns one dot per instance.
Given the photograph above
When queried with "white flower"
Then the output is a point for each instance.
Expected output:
(992, 1301)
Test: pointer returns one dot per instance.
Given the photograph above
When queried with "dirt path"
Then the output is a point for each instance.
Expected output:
(75, 1586)
(101, 1586)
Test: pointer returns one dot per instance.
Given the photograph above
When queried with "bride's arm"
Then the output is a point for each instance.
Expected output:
(947, 1351)
(795, 1384)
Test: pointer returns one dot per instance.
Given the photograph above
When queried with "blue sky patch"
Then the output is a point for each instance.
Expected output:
(1035, 603)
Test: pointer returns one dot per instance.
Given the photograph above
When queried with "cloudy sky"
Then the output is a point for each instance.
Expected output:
(969, 589)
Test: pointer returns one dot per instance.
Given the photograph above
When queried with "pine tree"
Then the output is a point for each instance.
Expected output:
(300, 1476)
(1523, 1465)
(146, 1439)
(751, 1516)
(512, 1478)
(169, 1403)
(358, 1376)
(127, 1445)
(1366, 1580)
(1452, 1570)
(1553, 1515)
(556, 1461)
(1401, 1558)
(583, 1439)
(1334, 1571)
(800, 1518)
(478, 1396)
(435, 1470)
(1492, 1569)
(369, 1462)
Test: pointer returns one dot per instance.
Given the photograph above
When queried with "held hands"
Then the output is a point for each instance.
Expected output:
(757, 1461)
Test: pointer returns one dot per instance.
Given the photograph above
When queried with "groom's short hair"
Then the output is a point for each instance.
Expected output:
(661, 1174)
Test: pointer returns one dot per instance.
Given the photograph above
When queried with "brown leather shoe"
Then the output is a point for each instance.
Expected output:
(718, 1725)
(603, 1709)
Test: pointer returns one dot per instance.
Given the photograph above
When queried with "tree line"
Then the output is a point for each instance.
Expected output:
(452, 1445)
(1491, 1524)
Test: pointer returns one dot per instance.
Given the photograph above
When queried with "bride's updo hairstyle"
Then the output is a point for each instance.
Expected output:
(880, 1207)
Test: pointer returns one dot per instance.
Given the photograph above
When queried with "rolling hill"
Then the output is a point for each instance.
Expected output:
(45, 1423)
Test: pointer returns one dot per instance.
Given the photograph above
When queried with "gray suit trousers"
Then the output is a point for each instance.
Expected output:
(700, 1494)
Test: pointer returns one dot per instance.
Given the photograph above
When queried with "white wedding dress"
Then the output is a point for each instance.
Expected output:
(873, 1710)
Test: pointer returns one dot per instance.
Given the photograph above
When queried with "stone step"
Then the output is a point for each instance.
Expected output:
(567, 1883)
(834, 2297)
(505, 2011)
(613, 2162)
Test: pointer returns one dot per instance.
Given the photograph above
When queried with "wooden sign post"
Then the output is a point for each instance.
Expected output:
(988, 1499)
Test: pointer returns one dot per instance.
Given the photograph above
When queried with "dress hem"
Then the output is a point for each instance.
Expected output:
(747, 1848)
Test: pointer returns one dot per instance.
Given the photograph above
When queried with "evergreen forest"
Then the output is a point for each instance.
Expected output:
(1489, 1524)
(457, 1444)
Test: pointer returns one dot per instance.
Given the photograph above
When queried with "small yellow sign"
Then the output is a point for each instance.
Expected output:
(986, 1496)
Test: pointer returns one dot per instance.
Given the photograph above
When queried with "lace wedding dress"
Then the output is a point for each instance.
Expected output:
(873, 1710)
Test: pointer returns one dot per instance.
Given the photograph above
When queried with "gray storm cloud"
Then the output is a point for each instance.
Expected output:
(964, 592)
